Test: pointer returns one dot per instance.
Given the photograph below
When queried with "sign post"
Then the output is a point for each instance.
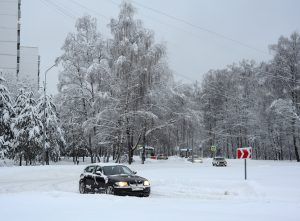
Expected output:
(245, 169)
(244, 153)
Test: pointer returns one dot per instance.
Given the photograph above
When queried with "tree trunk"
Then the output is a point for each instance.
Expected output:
(47, 157)
(20, 162)
(296, 148)
(90, 148)
(144, 147)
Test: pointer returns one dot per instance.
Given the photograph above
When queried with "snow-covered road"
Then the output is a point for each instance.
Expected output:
(180, 190)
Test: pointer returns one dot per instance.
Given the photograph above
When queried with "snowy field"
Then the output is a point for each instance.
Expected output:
(180, 191)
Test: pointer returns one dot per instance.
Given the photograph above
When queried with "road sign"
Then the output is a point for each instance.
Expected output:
(244, 153)
(213, 148)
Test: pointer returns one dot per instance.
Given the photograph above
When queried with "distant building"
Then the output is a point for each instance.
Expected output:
(10, 35)
(29, 67)
(18, 64)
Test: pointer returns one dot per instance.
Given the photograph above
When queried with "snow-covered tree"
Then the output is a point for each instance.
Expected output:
(77, 83)
(286, 69)
(54, 137)
(27, 129)
(6, 119)
(136, 60)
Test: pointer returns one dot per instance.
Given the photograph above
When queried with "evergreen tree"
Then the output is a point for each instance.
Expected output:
(54, 138)
(27, 128)
(6, 119)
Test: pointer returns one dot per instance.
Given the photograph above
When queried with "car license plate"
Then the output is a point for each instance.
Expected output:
(136, 188)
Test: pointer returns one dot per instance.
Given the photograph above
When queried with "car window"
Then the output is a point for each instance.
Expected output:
(115, 170)
(98, 169)
(89, 169)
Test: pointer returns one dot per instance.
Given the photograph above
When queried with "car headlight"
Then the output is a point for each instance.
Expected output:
(146, 183)
(122, 184)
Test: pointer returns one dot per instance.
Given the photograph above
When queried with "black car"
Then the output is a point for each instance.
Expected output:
(115, 179)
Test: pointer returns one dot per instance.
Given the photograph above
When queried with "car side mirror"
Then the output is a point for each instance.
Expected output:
(98, 173)
(134, 172)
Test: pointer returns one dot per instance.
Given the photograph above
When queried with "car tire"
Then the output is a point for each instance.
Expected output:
(146, 195)
(110, 190)
(82, 188)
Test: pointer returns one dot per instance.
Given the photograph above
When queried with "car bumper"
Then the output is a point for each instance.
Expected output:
(221, 164)
(131, 192)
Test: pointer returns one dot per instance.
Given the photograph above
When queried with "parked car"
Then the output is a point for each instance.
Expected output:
(162, 157)
(197, 159)
(219, 161)
(115, 179)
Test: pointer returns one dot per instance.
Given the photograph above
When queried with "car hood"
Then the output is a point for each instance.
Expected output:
(125, 178)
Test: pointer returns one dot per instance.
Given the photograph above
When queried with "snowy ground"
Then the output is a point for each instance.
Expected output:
(180, 191)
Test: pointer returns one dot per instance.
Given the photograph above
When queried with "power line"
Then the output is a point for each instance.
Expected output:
(8, 41)
(7, 28)
(62, 9)
(61, 12)
(7, 54)
(4, 14)
(173, 17)
(7, 2)
(86, 8)
(195, 26)
(66, 8)
(199, 27)
(3, 68)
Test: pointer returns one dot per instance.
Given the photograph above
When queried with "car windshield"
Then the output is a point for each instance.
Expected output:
(116, 170)
(219, 158)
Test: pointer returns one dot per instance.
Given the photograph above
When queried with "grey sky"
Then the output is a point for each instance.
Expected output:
(191, 52)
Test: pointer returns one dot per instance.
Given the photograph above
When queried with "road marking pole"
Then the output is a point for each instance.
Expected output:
(245, 169)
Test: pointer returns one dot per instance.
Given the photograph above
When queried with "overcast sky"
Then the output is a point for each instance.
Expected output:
(191, 50)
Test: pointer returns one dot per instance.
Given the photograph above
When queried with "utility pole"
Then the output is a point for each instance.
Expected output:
(46, 153)
(18, 38)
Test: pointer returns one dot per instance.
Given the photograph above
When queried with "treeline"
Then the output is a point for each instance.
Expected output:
(118, 94)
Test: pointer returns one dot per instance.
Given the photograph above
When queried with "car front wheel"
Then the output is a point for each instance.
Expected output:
(82, 188)
(110, 190)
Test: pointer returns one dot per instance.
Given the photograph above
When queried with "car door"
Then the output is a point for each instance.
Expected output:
(99, 180)
(89, 180)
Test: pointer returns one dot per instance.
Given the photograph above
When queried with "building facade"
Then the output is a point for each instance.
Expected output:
(29, 67)
(18, 64)
(10, 14)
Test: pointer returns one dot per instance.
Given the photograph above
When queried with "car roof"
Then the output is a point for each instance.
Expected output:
(105, 164)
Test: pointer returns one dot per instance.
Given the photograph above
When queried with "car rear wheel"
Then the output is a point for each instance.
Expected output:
(110, 190)
(82, 188)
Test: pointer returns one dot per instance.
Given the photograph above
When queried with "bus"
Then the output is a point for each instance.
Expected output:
(149, 151)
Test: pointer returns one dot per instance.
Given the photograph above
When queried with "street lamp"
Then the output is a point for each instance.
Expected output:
(46, 154)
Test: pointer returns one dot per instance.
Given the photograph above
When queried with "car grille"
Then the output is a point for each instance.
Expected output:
(136, 182)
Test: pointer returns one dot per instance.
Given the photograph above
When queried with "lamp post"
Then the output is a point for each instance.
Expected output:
(46, 154)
